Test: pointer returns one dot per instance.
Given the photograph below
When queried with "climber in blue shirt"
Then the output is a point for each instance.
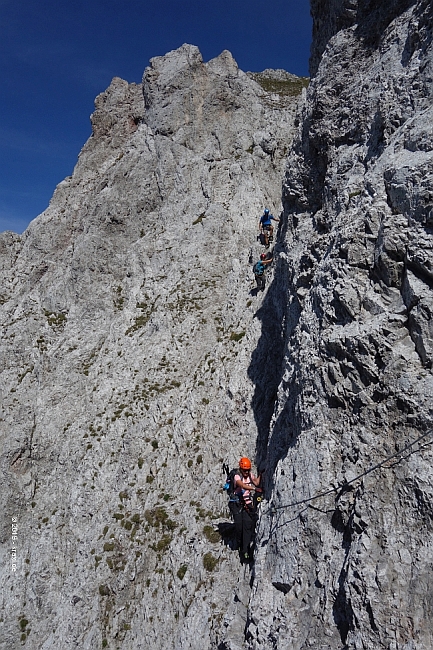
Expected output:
(265, 226)
(259, 269)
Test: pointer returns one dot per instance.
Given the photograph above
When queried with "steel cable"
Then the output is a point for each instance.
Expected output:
(273, 508)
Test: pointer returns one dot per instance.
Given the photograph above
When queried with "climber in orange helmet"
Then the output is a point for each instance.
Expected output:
(243, 509)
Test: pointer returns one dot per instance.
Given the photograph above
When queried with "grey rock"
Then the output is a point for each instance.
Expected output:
(136, 356)
(128, 318)
(351, 568)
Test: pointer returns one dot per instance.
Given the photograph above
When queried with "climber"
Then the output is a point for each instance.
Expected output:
(266, 229)
(243, 507)
(259, 269)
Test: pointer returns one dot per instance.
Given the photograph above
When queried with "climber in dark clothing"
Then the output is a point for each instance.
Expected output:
(243, 508)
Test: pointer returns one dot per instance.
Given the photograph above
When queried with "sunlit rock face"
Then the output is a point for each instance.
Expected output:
(130, 362)
(137, 357)
(352, 569)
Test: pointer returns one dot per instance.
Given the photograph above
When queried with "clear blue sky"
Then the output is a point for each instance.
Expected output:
(57, 55)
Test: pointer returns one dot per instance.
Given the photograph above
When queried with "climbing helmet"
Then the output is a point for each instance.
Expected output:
(245, 463)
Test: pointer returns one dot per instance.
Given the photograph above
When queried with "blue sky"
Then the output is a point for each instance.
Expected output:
(56, 56)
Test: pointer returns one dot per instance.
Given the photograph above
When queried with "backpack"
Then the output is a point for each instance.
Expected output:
(258, 268)
(229, 485)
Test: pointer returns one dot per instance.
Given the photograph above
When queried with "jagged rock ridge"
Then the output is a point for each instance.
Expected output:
(128, 322)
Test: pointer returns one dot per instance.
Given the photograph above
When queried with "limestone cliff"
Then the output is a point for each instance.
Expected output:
(137, 357)
(128, 319)
(352, 569)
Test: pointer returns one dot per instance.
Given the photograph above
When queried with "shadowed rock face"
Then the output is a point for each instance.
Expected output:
(353, 568)
(128, 324)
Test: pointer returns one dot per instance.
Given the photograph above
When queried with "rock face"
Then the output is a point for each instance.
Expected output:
(353, 568)
(128, 321)
(136, 357)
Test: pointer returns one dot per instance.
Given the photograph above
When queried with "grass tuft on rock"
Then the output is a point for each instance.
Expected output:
(210, 562)
(283, 87)
(211, 534)
(181, 571)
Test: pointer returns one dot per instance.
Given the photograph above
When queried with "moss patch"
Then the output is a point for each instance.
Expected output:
(158, 517)
(236, 337)
(181, 571)
(211, 534)
(283, 87)
(147, 309)
(210, 562)
(55, 320)
(199, 219)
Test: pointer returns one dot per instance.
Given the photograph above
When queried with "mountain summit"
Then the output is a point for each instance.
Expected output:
(129, 316)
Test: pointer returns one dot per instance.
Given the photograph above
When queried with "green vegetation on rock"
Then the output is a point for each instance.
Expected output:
(210, 562)
(284, 87)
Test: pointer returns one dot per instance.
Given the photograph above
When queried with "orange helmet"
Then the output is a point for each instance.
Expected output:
(245, 463)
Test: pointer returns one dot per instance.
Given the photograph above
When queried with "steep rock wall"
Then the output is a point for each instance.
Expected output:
(128, 319)
(352, 569)
(134, 362)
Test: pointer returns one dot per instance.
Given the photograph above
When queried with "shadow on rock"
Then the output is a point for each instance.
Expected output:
(228, 534)
(279, 317)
